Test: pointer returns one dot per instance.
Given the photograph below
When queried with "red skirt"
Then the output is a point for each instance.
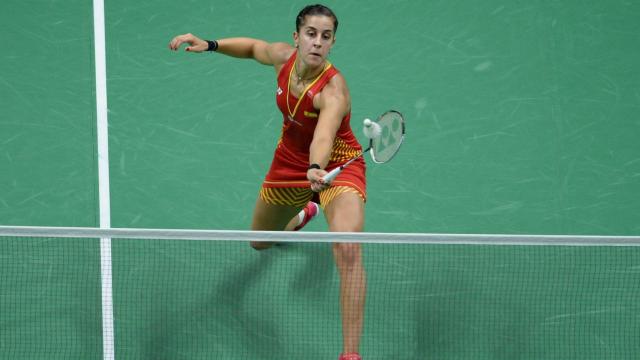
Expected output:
(289, 170)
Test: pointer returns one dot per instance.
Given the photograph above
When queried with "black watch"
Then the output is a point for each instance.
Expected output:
(314, 166)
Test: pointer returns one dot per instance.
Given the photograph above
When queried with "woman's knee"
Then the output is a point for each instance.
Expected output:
(347, 254)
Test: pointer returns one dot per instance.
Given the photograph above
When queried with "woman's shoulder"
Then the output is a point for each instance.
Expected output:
(337, 82)
(335, 91)
(281, 53)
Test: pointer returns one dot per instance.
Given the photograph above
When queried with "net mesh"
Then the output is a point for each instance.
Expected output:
(220, 299)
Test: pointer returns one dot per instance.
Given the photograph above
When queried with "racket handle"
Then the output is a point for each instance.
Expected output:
(332, 174)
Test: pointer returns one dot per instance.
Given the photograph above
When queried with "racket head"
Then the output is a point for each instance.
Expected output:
(386, 146)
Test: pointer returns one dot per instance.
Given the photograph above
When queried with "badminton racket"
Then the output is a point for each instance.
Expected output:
(385, 137)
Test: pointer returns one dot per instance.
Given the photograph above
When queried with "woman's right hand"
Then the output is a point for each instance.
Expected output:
(315, 179)
(195, 43)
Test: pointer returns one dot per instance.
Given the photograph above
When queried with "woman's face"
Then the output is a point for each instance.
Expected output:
(314, 39)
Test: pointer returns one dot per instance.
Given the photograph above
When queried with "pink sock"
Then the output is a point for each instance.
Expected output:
(350, 356)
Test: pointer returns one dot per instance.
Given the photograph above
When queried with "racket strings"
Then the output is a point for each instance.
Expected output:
(388, 143)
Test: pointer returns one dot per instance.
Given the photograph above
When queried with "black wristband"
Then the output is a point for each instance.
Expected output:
(314, 166)
(212, 45)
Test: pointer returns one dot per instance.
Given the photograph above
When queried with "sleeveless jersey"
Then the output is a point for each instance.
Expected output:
(289, 167)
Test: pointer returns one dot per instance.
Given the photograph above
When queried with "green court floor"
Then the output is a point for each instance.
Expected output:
(522, 118)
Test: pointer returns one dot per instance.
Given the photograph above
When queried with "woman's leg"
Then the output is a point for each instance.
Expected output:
(305, 215)
(345, 213)
(270, 217)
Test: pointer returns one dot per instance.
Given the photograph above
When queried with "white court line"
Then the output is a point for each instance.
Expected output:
(108, 344)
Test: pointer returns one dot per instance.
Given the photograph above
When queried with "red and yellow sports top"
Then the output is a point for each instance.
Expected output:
(291, 158)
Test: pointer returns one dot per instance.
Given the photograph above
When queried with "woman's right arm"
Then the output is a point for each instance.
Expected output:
(246, 48)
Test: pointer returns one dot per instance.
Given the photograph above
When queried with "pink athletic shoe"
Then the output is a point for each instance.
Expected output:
(309, 212)
(352, 356)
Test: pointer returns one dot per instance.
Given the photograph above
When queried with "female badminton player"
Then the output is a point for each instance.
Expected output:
(316, 137)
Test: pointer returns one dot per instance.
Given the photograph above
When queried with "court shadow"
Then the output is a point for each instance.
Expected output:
(220, 324)
(258, 332)
(316, 275)
(229, 320)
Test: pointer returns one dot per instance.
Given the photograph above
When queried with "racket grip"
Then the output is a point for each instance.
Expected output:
(332, 174)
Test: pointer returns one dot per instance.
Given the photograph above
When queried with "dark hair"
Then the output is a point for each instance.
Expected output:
(317, 9)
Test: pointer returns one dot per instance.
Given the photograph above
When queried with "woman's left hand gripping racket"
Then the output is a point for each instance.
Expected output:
(385, 137)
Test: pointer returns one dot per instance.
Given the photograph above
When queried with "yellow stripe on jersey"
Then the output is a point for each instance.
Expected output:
(327, 66)
(342, 151)
(331, 193)
(292, 196)
(299, 197)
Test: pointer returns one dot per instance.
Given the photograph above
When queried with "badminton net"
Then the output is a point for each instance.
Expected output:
(188, 294)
